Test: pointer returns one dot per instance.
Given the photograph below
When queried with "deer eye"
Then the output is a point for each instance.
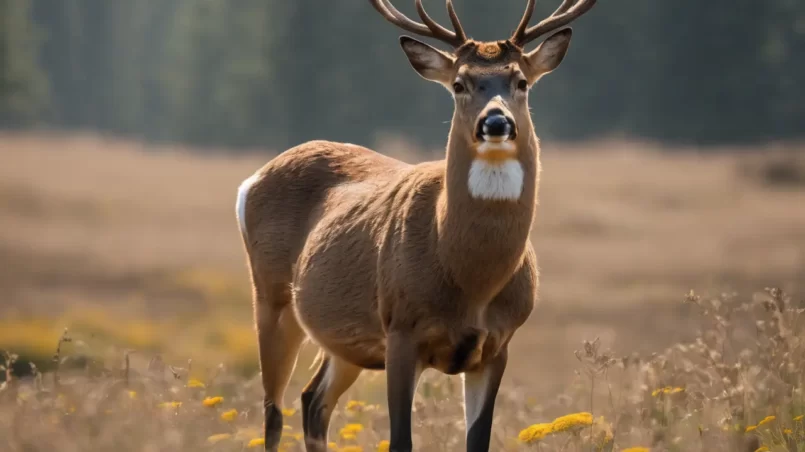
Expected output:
(458, 87)
(522, 85)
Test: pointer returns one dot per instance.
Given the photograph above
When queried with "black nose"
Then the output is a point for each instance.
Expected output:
(497, 124)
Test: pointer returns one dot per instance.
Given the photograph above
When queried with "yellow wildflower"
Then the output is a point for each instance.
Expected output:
(666, 390)
(571, 421)
(535, 433)
(355, 405)
(788, 431)
(348, 436)
(383, 446)
(751, 428)
(256, 442)
(170, 404)
(351, 449)
(288, 412)
(219, 437)
(193, 383)
(762, 449)
(332, 446)
(212, 401)
(295, 436)
(766, 420)
(350, 431)
(636, 449)
(799, 418)
(132, 395)
(229, 415)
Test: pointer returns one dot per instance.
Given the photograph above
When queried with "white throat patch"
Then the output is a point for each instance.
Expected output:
(496, 180)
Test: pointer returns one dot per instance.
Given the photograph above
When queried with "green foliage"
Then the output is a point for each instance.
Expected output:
(23, 87)
(275, 73)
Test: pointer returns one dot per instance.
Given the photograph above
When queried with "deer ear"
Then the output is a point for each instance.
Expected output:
(547, 56)
(429, 62)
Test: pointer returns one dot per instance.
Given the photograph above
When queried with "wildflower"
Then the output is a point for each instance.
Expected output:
(355, 405)
(170, 404)
(332, 446)
(535, 433)
(666, 390)
(351, 449)
(230, 415)
(799, 418)
(132, 395)
(219, 437)
(349, 436)
(294, 436)
(212, 401)
(193, 383)
(256, 442)
(636, 449)
(788, 431)
(571, 421)
(383, 446)
(762, 449)
(751, 428)
(350, 431)
(288, 412)
(766, 420)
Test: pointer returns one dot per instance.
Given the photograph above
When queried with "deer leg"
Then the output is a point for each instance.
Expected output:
(320, 397)
(402, 375)
(279, 337)
(480, 391)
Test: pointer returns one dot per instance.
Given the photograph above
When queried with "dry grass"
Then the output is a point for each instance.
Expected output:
(137, 248)
(737, 385)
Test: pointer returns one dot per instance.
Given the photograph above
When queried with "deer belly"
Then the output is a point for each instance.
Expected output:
(453, 355)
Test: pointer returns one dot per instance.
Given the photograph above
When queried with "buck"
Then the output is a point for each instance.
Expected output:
(388, 265)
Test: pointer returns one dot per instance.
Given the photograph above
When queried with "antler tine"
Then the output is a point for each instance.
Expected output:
(432, 24)
(521, 28)
(391, 14)
(456, 23)
(429, 29)
(567, 12)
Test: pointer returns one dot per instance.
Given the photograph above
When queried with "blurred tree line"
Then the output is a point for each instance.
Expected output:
(274, 73)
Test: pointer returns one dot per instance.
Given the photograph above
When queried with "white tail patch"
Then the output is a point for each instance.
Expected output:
(240, 205)
(496, 180)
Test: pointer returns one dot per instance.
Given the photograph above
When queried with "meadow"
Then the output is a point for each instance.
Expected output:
(672, 285)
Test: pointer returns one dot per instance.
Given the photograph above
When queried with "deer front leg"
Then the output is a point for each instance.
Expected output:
(402, 374)
(480, 391)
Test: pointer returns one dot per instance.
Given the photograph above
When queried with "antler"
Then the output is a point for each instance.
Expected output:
(567, 12)
(430, 28)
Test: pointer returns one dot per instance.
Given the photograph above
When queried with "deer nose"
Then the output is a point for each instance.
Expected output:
(496, 124)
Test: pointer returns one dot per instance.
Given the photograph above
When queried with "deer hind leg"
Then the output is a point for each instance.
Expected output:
(333, 377)
(279, 338)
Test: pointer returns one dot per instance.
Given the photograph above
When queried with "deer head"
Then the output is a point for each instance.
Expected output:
(489, 81)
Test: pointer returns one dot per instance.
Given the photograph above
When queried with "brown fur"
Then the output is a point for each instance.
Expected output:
(359, 250)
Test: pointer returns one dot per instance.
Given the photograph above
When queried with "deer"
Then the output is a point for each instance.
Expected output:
(403, 267)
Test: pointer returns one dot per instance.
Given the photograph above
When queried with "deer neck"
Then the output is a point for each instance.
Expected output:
(485, 214)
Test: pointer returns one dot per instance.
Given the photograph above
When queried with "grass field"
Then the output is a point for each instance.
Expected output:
(135, 251)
